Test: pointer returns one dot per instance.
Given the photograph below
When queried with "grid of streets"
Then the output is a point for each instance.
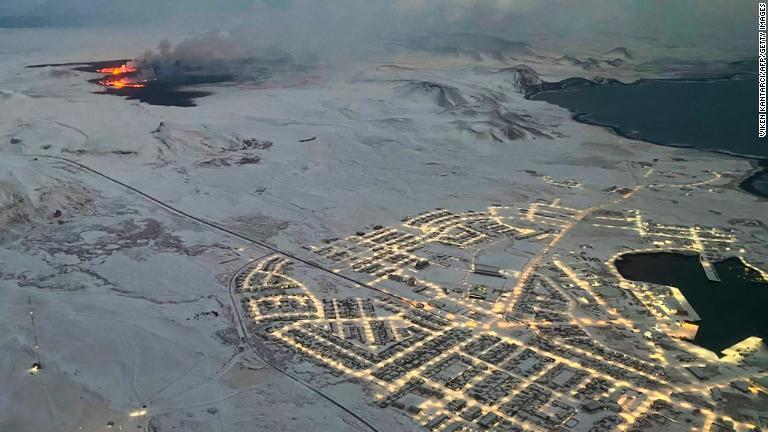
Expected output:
(460, 340)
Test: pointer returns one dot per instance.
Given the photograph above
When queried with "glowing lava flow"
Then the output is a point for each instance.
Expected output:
(116, 81)
(124, 69)
(121, 83)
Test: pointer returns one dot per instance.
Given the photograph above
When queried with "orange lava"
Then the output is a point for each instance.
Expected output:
(121, 83)
(117, 70)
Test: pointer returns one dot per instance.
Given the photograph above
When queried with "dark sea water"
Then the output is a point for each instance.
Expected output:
(716, 115)
(730, 311)
(757, 183)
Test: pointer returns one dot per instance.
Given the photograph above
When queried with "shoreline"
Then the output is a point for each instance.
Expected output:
(744, 185)
(747, 184)
(697, 319)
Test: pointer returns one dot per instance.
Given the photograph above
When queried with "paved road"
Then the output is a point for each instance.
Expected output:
(266, 358)
(218, 227)
(232, 281)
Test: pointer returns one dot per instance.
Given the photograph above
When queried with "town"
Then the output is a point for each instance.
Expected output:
(492, 320)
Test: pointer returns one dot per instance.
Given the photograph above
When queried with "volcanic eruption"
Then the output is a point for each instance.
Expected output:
(123, 69)
(168, 75)
(120, 77)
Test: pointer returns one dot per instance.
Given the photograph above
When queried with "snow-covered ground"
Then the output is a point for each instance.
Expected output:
(130, 301)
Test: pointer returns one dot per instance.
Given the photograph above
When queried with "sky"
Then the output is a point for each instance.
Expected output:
(301, 21)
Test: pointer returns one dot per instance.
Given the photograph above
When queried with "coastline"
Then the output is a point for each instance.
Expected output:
(745, 185)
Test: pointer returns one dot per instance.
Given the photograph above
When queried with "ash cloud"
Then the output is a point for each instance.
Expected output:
(305, 31)
(265, 35)
(215, 57)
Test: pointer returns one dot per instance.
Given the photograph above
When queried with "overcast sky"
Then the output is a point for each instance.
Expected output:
(684, 21)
